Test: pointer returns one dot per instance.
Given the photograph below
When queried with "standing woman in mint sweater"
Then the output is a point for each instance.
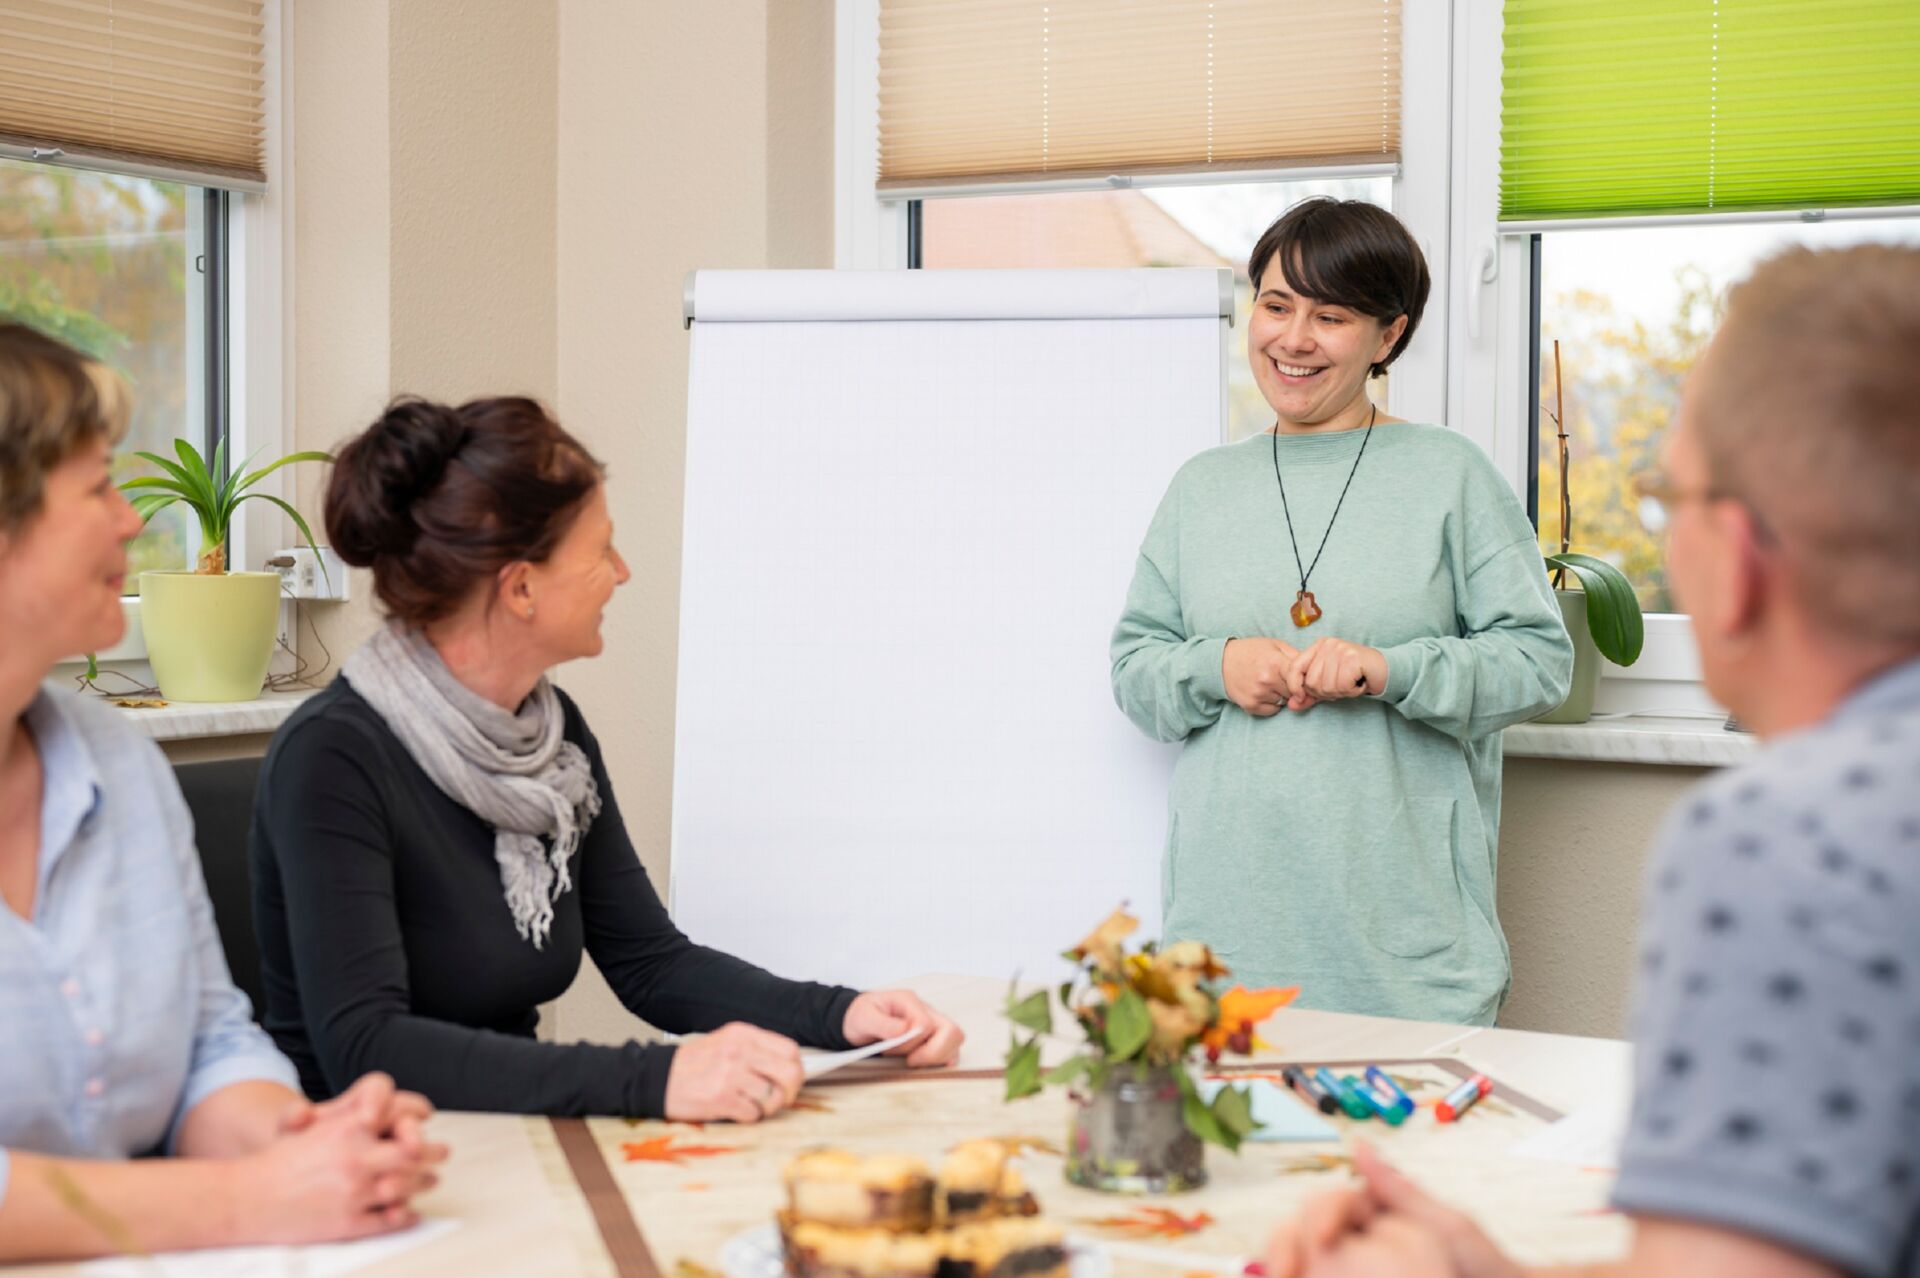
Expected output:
(1337, 617)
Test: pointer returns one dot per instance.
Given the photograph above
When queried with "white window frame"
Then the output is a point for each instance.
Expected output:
(1467, 365)
(260, 306)
(1489, 382)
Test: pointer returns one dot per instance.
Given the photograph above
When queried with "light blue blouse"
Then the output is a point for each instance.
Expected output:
(117, 1014)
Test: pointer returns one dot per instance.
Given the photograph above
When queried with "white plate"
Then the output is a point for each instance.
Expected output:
(755, 1253)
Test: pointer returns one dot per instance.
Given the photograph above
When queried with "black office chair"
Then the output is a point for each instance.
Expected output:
(220, 796)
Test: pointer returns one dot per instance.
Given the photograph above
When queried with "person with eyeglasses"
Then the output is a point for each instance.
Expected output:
(1775, 1127)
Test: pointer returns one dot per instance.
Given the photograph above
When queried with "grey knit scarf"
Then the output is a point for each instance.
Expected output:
(512, 770)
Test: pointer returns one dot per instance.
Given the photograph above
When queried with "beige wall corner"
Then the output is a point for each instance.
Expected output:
(800, 98)
(1574, 839)
(342, 349)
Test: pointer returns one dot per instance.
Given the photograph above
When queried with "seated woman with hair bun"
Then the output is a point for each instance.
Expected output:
(436, 840)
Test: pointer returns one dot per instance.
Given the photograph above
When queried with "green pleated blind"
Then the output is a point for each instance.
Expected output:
(1637, 107)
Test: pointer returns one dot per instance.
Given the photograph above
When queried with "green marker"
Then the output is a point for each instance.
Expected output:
(1349, 1098)
(1393, 1114)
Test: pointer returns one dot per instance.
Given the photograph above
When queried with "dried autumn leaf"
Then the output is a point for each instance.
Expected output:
(1154, 1222)
(1173, 1028)
(1310, 1163)
(1014, 1145)
(661, 1149)
(1102, 945)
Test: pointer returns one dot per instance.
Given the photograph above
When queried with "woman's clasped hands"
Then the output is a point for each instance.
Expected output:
(341, 1169)
(1264, 676)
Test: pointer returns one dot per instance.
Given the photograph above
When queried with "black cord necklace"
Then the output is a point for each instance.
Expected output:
(1305, 611)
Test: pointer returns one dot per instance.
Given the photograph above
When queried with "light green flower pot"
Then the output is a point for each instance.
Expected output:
(209, 637)
(1578, 707)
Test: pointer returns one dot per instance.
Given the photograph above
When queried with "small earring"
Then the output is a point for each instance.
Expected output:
(528, 614)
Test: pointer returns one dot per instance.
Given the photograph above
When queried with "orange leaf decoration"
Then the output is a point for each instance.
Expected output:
(1241, 1009)
(1154, 1222)
(661, 1149)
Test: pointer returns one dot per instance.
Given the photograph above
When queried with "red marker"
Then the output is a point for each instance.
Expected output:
(1461, 1099)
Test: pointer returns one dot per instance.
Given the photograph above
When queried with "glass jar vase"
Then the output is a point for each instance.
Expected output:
(1129, 1136)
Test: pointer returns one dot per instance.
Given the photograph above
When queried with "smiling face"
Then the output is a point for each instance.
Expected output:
(62, 571)
(568, 591)
(1311, 358)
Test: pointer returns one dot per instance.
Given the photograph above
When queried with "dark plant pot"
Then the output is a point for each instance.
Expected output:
(1578, 707)
(1130, 1137)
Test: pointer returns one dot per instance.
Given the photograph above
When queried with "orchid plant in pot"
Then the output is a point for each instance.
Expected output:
(1139, 1118)
(1603, 616)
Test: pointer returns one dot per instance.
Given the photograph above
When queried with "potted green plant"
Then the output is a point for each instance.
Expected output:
(1139, 1119)
(1603, 616)
(209, 631)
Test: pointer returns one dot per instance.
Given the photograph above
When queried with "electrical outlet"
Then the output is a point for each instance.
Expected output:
(302, 576)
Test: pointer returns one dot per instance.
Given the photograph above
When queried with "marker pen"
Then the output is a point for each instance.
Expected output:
(1388, 1090)
(1348, 1098)
(1389, 1111)
(1309, 1090)
(1461, 1099)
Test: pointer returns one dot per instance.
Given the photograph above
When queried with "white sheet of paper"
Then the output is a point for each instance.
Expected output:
(815, 1066)
(1588, 1137)
(322, 1260)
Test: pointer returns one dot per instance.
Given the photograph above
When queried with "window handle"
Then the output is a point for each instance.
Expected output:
(1486, 269)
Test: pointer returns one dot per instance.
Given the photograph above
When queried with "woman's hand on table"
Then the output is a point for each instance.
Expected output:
(883, 1014)
(347, 1169)
(1334, 669)
(739, 1072)
(1258, 673)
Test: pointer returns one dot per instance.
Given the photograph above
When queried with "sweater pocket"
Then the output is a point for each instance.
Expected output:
(1404, 888)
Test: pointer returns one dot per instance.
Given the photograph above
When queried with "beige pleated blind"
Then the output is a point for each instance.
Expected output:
(994, 91)
(163, 87)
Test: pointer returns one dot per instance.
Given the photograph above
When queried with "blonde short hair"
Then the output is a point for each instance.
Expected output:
(1808, 409)
(53, 402)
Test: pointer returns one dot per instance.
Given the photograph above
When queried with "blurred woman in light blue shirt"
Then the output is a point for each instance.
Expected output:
(121, 1032)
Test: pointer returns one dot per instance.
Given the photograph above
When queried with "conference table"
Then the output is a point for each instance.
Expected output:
(627, 1199)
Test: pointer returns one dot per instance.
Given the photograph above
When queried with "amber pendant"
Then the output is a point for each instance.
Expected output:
(1304, 611)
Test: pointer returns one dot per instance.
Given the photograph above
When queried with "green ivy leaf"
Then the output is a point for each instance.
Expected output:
(1067, 1071)
(1023, 1069)
(1205, 1124)
(1613, 610)
(1129, 1025)
(1031, 1012)
(1233, 1107)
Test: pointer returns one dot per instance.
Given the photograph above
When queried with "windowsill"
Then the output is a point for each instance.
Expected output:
(183, 720)
(1693, 743)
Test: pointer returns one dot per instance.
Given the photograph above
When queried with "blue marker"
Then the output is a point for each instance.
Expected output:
(1389, 1090)
(1349, 1098)
(1387, 1110)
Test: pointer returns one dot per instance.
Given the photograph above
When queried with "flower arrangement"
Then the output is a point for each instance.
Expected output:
(1146, 1010)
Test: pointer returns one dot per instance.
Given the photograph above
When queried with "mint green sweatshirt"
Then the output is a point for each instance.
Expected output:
(1349, 848)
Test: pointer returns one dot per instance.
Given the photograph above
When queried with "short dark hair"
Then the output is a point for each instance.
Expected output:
(437, 499)
(1350, 253)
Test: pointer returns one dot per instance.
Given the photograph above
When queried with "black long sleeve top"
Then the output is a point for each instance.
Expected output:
(386, 942)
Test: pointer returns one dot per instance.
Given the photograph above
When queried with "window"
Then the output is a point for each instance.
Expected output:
(1212, 225)
(1632, 308)
(126, 269)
